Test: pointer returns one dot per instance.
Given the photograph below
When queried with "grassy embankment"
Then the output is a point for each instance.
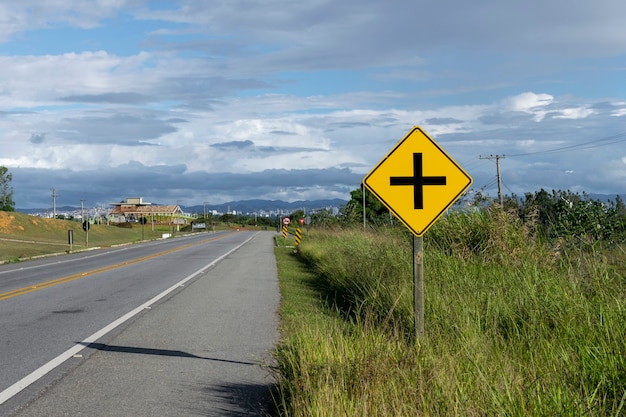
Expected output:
(23, 236)
(513, 326)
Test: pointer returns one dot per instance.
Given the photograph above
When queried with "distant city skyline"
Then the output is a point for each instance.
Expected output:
(272, 207)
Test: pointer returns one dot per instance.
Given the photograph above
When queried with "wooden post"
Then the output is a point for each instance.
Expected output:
(418, 285)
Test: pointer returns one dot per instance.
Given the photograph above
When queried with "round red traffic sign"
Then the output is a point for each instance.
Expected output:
(286, 220)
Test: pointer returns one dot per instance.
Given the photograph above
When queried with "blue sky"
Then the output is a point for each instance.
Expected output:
(217, 101)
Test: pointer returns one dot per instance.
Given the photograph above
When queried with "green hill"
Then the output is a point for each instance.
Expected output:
(23, 236)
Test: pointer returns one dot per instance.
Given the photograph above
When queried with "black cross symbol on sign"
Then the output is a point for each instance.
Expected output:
(418, 181)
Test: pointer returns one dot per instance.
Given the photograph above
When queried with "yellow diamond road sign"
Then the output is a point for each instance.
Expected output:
(418, 181)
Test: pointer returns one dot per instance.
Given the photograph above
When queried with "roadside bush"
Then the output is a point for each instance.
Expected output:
(491, 235)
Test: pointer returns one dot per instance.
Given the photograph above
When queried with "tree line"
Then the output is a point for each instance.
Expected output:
(554, 214)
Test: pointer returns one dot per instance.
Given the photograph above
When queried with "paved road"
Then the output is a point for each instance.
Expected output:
(204, 349)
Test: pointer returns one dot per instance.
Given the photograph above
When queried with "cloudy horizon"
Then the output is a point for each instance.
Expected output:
(192, 102)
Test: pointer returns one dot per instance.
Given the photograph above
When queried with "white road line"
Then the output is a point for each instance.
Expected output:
(43, 370)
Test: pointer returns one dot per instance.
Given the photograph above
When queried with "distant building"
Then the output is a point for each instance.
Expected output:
(134, 209)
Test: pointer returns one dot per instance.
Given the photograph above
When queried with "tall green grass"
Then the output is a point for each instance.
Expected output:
(513, 325)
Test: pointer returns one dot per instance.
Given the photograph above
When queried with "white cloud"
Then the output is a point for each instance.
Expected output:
(574, 113)
(528, 102)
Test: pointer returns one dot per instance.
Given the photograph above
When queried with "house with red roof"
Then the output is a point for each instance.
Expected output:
(134, 209)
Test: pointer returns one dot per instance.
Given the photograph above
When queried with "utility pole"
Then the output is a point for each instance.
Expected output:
(54, 203)
(497, 158)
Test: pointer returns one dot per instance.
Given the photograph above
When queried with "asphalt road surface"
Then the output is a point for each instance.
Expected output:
(179, 327)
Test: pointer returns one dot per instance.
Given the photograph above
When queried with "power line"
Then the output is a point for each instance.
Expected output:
(609, 140)
(507, 187)
(493, 181)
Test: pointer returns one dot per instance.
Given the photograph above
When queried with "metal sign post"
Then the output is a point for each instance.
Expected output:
(86, 226)
(418, 285)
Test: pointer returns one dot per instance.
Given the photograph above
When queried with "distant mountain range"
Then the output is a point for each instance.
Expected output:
(242, 206)
(606, 197)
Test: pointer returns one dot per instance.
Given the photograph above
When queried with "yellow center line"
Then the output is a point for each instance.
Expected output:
(62, 280)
